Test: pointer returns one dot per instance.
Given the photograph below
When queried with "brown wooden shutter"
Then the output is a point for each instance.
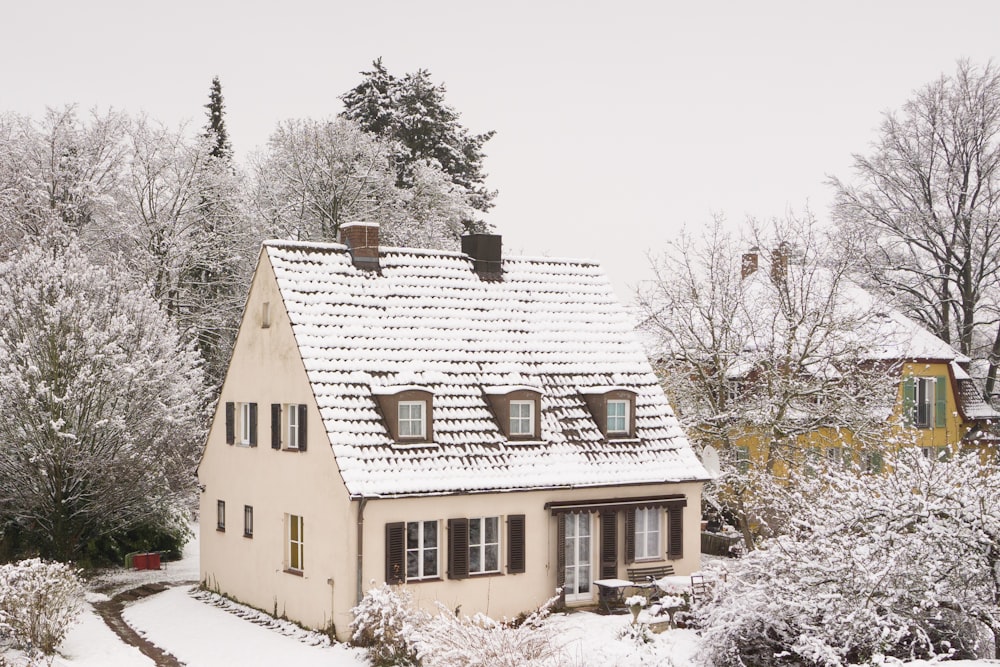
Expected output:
(561, 557)
(302, 427)
(675, 532)
(609, 544)
(458, 548)
(630, 536)
(253, 424)
(275, 425)
(515, 544)
(230, 423)
(395, 553)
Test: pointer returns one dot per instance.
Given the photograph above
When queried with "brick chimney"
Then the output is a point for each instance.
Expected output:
(361, 239)
(779, 262)
(749, 265)
(486, 252)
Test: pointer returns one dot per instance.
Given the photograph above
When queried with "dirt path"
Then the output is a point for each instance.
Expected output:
(111, 612)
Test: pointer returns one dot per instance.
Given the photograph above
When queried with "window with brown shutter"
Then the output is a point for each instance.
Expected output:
(253, 424)
(561, 557)
(275, 425)
(675, 532)
(230, 423)
(302, 427)
(458, 548)
(630, 535)
(515, 544)
(395, 553)
(609, 544)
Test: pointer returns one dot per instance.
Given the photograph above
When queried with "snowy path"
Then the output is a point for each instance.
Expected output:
(201, 635)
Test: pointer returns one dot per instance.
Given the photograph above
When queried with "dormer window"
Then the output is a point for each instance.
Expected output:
(411, 419)
(522, 418)
(407, 412)
(517, 410)
(613, 410)
(618, 417)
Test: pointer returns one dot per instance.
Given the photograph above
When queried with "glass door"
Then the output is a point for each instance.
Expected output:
(577, 551)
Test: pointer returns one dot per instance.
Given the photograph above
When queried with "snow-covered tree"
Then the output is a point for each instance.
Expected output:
(927, 198)
(215, 130)
(903, 564)
(39, 602)
(412, 112)
(103, 402)
(772, 360)
(316, 175)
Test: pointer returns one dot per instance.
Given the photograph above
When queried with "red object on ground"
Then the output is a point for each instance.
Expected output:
(146, 561)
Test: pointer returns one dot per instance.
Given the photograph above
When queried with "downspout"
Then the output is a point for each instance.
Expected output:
(361, 545)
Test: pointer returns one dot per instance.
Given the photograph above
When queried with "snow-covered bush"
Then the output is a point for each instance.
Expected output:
(39, 601)
(384, 623)
(903, 564)
(450, 640)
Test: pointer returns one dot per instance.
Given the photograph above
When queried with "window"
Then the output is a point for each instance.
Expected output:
(421, 550)
(288, 421)
(265, 315)
(484, 545)
(296, 543)
(647, 534)
(241, 423)
(247, 521)
(220, 518)
(617, 416)
(411, 419)
(835, 456)
(925, 401)
(522, 418)
(741, 457)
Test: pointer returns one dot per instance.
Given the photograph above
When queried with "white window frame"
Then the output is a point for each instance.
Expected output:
(244, 423)
(648, 533)
(520, 420)
(292, 425)
(623, 418)
(409, 420)
(420, 548)
(926, 386)
(483, 547)
(296, 521)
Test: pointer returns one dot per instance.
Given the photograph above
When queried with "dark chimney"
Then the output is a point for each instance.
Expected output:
(779, 262)
(485, 251)
(361, 239)
(749, 265)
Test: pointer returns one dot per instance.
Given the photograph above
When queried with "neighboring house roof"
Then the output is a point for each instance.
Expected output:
(427, 319)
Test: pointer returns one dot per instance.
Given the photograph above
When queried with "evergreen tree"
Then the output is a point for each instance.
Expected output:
(216, 128)
(412, 111)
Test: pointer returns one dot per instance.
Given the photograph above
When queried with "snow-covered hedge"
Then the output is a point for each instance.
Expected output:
(903, 564)
(39, 601)
(395, 633)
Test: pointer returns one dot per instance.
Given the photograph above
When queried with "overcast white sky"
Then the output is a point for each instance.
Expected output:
(617, 122)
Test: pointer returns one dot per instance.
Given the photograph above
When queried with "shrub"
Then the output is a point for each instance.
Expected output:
(384, 623)
(39, 601)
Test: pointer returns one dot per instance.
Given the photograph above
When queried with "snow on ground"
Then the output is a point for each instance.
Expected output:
(201, 634)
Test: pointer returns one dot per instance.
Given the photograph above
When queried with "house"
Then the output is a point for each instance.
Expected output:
(933, 402)
(482, 429)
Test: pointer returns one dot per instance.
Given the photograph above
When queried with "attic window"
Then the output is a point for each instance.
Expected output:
(407, 412)
(265, 315)
(517, 410)
(613, 410)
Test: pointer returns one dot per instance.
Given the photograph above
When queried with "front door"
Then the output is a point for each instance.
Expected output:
(578, 549)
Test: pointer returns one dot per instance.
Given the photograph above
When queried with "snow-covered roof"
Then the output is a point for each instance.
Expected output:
(427, 319)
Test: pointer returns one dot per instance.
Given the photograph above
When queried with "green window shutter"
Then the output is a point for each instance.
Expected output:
(909, 401)
(940, 401)
(302, 427)
(253, 424)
